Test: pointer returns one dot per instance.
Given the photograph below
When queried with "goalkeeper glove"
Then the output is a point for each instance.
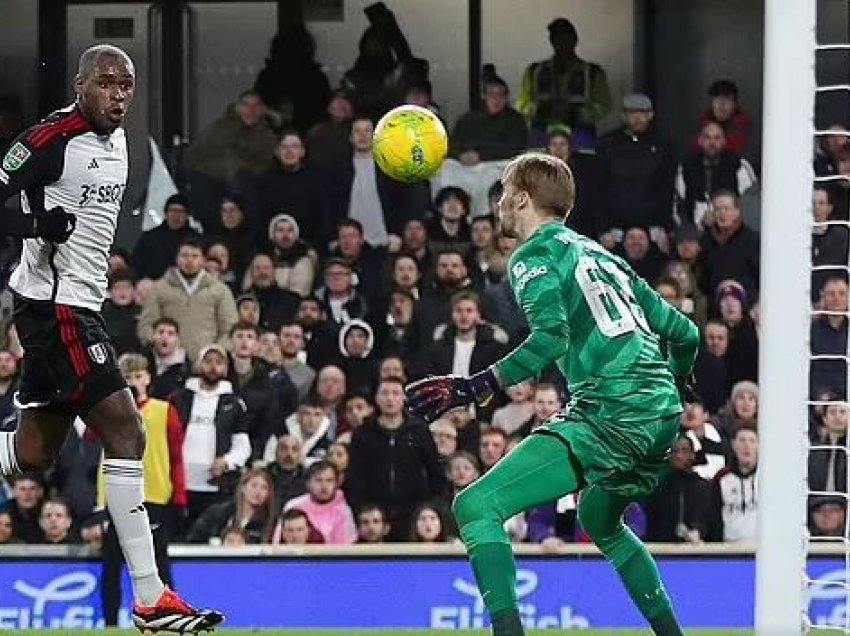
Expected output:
(687, 393)
(54, 225)
(431, 397)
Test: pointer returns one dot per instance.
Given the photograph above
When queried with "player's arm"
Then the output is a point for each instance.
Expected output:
(26, 166)
(679, 331)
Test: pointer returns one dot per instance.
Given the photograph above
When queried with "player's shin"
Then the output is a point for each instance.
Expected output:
(8, 457)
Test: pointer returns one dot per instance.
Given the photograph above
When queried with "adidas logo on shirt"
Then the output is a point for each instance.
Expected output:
(93, 164)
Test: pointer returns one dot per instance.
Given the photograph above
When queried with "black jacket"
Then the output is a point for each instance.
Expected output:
(157, 248)
(398, 469)
(230, 416)
(166, 383)
(261, 404)
(490, 345)
(277, 305)
(434, 309)
(287, 484)
(638, 171)
(819, 465)
(703, 176)
(218, 517)
(588, 216)
(736, 258)
(121, 326)
(682, 498)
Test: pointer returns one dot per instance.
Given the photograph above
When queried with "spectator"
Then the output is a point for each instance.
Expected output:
(331, 387)
(367, 261)
(725, 110)
(687, 244)
(488, 263)
(428, 525)
(293, 356)
(638, 172)
(268, 350)
(294, 260)
(642, 255)
(7, 528)
(292, 187)
(170, 368)
(251, 509)
(296, 529)
(518, 411)
(828, 336)
(25, 506)
(706, 171)
(564, 89)
(829, 242)
(338, 456)
(8, 385)
(156, 249)
(406, 275)
(828, 149)
(202, 306)
(463, 469)
(248, 309)
(356, 357)
(325, 505)
(450, 228)
(693, 302)
(742, 354)
(445, 437)
(339, 293)
(492, 447)
(372, 524)
(287, 470)
(249, 376)
(235, 232)
(828, 467)
(587, 213)
(415, 242)
(356, 409)
(310, 425)
(120, 312)
(277, 304)
(292, 81)
(218, 263)
(735, 506)
(240, 142)
(678, 511)
(393, 367)
(547, 402)
(216, 443)
(319, 333)
(706, 440)
(328, 142)
(827, 516)
(399, 328)
(492, 133)
(143, 290)
(420, 92)
(394, 461)
(466, 344)
(232, 537)
(55, 521)
(741, 410)
(729, 250)
(712, 377)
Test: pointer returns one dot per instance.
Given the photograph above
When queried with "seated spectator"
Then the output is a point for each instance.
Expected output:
(9, 379)
(356, 356)
(450, 228)
(294, 260)
(741, 410)
(331, 387)
(296, 529)
(428, 525)
(216, 444)
(827, 516)
(587, 216)
(735, 506)
(708, 444)
(694, 304)
(240, 142)
(292, 187)
(712, 376)
(394, 461)
(156, 249)
(728, 250)
(7, 528)
(120, 312)
(310, 425)
(678, 511)
(547, 402)
(642, 255)
(828, 467)
(293, 358)
(366, 260)
(202, 306)
(706, 171)
(328, 142)
(637, 174)
(493, 132)
(170, 368)
(372, 525)
(829, 242)
(277, 304)
(287, 470)
(725, 110)
(518, 411)
(56, 523)
(251, 509)
(492, 446)
(828, 336)
(399, 331)
(445, 437)
(340, 295)
(325, 505)
(25, 506)
(742, 354)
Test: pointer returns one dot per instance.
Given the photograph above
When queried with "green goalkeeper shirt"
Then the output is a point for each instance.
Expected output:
(602, 324)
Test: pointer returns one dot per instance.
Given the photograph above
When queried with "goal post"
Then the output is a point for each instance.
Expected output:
(789, 94)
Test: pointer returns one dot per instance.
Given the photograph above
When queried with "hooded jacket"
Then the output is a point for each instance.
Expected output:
(735, 507)
(314, 447)
(361, 373)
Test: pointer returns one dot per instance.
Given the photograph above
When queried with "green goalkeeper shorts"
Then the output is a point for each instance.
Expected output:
(626, 458)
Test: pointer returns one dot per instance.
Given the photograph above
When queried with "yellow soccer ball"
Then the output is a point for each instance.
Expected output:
(410, 143)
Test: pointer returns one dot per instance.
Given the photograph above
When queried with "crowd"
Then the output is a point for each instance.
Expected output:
(269, 324)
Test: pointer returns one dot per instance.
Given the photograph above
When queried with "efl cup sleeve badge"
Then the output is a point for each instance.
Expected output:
(97, 352)
(16, 157)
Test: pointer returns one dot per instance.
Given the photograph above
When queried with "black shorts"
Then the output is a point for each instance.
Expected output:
(69, 361)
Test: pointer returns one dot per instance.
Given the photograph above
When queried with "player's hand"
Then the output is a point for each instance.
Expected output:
(431, 397)
(687, 392)
(55, 225)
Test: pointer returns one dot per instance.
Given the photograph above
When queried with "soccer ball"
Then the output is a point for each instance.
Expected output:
(409, 143)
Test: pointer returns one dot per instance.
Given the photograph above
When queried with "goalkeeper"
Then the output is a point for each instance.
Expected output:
(604, 326)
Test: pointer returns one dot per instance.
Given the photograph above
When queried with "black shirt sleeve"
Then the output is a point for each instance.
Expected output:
(27, 167)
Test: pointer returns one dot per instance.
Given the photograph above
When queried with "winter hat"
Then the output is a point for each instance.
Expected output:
(731, 287)
(744, 386)
(277, 218)
(213, 347)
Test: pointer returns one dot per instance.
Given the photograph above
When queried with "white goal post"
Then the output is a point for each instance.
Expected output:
(789, 95)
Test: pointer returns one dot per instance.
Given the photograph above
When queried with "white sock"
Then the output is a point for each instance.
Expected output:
(123, 482)
(8, 458)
